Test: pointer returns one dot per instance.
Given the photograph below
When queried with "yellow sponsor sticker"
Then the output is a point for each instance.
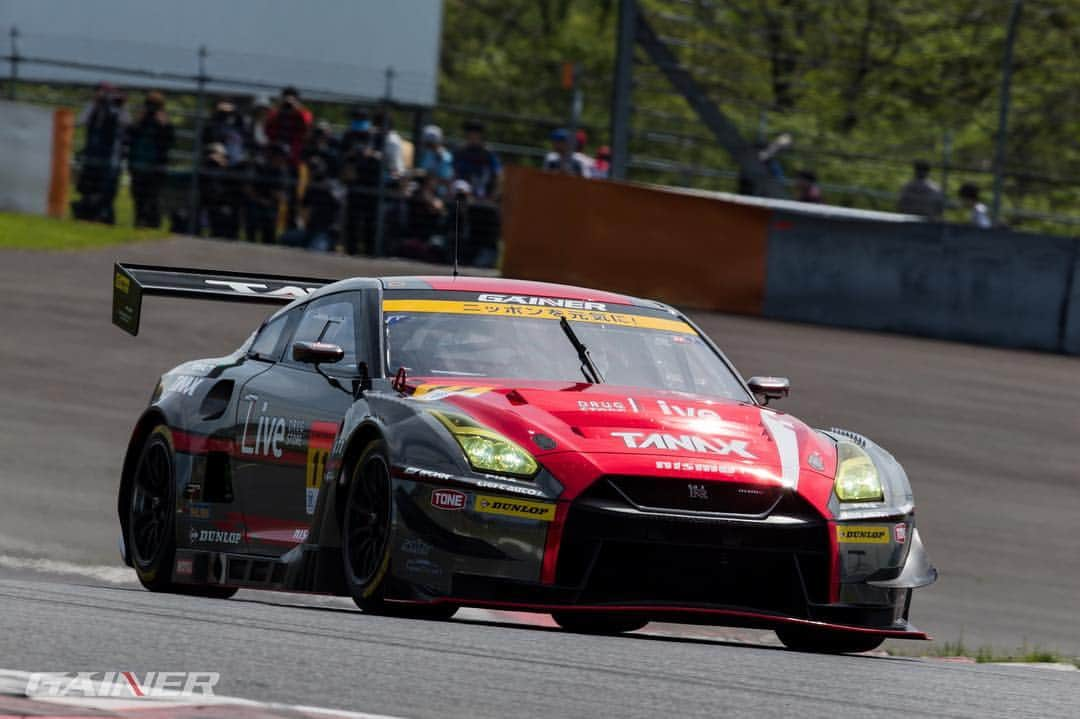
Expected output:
(852, 534)
(122, 283)
(430, 392)
(493, 309)
(510, 507)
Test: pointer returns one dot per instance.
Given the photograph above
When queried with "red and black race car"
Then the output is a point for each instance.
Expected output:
(427, 443)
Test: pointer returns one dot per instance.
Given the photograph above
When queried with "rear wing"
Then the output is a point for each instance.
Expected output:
(133, 282)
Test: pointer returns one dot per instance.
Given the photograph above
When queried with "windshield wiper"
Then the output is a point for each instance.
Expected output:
(588, 369)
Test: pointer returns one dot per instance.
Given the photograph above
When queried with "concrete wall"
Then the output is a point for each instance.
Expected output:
(792, 261)
(955, 282)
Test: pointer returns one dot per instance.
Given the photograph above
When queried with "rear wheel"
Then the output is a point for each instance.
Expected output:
(598, 623)
(151, 534)
(366, 538)
(827, 641)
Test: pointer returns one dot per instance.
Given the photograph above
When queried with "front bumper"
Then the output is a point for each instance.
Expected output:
(763, 571)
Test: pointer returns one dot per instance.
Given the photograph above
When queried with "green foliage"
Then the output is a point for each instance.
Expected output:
(27, 232)
(864, 87)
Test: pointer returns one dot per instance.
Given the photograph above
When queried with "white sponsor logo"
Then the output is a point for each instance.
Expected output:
(183, 384)
(269, 433)
(125, 685)
(300, 535)
(685, 443)
(600, 406)
(530, 491)
(252, 288)
(213, 536)
(698, 491)
(674, 410)
(544, 302)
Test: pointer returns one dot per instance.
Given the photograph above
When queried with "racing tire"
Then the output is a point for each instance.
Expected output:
(365, 538)
(825, 641)
(597, 623)
(151, 535)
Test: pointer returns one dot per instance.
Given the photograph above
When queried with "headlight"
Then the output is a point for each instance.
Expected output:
(857, 478)
(488, 451)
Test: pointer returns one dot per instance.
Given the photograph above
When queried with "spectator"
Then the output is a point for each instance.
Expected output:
(227, 128)
(921, 195)
(361, 166)
(806, 187)
(389, 143)
(562, 159)
(322, 145)
(255, 127)
(581, 141)
(602, 165)
(476, 164)
(768, 155)
(969, 195)
(289, 124)
(267, 193)
(320, 208)
(436, 161)
(359, 131)
(218, 193)
(149, 141)
(106, 121)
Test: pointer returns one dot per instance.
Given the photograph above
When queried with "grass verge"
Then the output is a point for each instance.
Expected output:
(987, 654)
(30, 232)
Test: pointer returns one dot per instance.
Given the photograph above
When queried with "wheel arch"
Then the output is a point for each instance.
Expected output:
(151, 418)
(362, 435)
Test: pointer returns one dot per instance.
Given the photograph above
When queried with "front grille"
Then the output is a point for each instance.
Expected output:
(669, 493)
(613, 551)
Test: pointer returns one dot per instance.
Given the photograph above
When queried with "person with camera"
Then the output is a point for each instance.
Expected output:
(106, 121)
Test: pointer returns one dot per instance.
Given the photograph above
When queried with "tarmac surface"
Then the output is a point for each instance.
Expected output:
(988, 436)
(310, 651)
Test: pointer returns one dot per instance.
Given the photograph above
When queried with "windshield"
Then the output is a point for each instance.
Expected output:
(634, 346)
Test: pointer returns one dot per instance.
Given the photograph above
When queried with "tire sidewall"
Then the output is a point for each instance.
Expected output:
(156, 574)
(368, 596)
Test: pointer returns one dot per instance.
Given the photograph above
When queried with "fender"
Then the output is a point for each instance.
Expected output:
(917, 571)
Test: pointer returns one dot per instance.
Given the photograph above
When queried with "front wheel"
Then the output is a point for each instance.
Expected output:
(826, 641)
(598, 623)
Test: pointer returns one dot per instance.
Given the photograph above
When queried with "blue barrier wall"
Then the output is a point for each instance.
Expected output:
(954, 282)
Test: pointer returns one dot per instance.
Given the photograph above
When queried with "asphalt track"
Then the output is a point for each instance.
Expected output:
(987, 435)
(304, 650)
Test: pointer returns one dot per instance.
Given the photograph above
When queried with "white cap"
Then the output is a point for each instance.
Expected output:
(432, 133)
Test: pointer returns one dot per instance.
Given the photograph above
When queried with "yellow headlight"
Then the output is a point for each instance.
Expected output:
(488, 451)
(857, 478)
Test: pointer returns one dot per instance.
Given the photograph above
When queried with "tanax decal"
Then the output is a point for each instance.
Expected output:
(862, 535)
(253, 288)
(684, 443)
(515, 507)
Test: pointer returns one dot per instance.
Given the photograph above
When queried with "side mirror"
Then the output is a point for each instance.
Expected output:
(767, 388)
(317, 352)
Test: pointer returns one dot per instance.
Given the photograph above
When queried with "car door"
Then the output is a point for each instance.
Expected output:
(288, 418)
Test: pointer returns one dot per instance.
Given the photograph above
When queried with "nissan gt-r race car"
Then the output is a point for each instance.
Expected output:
(426, 443)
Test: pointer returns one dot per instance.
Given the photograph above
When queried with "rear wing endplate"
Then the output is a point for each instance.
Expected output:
(133, 282)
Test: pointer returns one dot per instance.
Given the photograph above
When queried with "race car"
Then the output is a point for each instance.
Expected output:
(426, 443)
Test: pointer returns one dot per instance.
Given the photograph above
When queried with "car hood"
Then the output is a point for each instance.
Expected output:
(585, 430)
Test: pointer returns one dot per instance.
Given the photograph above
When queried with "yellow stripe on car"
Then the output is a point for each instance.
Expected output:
(491, 309)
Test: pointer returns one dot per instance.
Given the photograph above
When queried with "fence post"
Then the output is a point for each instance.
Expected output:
(576, 103)
(13, 78)
(196, 145)
(380, 205)
(621, 97)
(1003, 114)
(946, 161)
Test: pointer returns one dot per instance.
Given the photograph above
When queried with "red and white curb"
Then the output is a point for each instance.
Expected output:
(122, 700)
